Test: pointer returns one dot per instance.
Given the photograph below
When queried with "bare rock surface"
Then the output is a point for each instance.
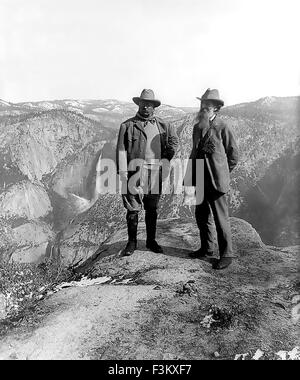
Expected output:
(32, 240)
(81, 239)
(162, 306)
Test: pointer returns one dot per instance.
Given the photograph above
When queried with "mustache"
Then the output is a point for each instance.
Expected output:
(145, 111)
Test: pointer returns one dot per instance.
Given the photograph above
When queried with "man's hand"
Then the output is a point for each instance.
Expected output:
(138, 190)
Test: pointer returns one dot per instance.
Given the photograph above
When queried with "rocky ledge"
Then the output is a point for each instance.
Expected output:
(168, 306)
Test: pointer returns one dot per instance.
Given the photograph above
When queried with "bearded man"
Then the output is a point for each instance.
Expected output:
(148, 141)
(213, 142)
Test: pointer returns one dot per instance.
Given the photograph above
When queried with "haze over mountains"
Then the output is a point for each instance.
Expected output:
(48, 171)
(110, 112)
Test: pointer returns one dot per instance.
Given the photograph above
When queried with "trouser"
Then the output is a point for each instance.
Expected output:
(134, 203)
(214, 210)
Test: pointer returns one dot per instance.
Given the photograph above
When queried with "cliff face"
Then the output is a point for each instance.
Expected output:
(272, 204)
(7, 242)
(48, 170)
(265, 183)
(45, 158)
(36, 144)
(25, 200)
(264, 130)
(268, 177)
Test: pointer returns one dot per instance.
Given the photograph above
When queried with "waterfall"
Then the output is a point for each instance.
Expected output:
(82, 204)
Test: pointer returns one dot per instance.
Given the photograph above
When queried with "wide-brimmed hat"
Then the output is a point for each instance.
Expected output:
(148, 95)
(212, 95)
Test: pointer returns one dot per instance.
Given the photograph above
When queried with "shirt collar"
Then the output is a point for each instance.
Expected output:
(212, 118)
(145, 120)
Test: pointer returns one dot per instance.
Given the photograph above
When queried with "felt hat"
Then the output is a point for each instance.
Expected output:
(212, 95)
(148, 95)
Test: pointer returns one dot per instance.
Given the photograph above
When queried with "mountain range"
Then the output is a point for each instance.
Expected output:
(48, 158)
(110, 112)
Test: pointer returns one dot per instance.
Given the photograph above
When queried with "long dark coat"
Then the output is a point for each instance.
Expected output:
(222, 160)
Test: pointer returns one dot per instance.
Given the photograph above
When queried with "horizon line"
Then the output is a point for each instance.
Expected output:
(128, 102)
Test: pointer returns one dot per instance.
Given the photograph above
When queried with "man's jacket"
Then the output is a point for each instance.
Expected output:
(222, 158)
(132, 142)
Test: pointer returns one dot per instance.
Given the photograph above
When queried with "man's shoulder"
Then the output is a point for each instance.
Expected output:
(162, 122)
(219, 122)
(129, 121)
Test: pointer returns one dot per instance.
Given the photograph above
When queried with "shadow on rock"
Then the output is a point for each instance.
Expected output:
(115, 249)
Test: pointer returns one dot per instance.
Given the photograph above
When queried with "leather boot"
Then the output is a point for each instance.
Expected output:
(151, 222)
(132, 225)
(200, 254)
(223, 263)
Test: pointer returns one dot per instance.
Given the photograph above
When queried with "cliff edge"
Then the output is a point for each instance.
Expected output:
(168, 306)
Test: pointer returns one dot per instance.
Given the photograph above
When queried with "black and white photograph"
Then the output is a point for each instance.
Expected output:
(149, 183)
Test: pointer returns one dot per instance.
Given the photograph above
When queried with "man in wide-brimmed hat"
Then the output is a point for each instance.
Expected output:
(213, 142)
(144, 142)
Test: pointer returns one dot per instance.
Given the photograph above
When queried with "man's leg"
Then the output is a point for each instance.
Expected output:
(220, 211)
(205, 224)
(151, 206)
(132, 219)
(152, 190)
(133, 205)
